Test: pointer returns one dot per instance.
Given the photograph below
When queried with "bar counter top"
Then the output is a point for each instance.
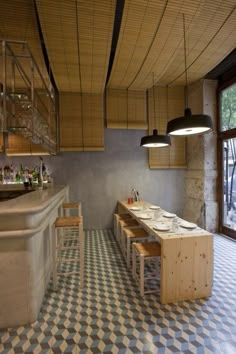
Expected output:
(28, 210)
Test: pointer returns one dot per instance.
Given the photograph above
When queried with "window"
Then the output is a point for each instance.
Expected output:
(227, 159)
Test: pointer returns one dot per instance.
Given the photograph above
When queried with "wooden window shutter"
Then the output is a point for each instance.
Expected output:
(81, 122)
(126, 109)
(175, 155)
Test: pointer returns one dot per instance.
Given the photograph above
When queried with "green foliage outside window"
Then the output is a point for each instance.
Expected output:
(228, 108)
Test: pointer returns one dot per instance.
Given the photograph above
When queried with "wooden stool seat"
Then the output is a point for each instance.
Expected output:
(68, 221)
(130, 235)
(123, 216)
(118, 217)
(135, 233)
(145, 252)
(121, 225)
(70, 205)
(68, 235)
(128, 223)
(148, 249)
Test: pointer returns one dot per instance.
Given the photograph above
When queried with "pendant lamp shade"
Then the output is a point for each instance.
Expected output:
(189, 124)
(155, 140)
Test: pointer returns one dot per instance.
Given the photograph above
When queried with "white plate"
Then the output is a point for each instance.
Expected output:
(135, 208)
(154, 207)
(169, 215)
(145, 216)
(188, 225)
(161, 227)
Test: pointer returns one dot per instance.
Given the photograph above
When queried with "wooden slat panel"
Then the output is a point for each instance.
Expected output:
(93, 123)
(116, 109)
(137, 110)
(139, 22)
(18, 145)
(169, 104)
(78, 47)
(18, 22)
(81, 122)
(126, 109)
(151, 40)
(71, 124)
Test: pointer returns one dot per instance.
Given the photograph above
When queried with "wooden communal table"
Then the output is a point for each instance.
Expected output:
(186, 257)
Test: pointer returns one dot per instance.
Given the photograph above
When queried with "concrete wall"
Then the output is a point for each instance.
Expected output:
(99, 179)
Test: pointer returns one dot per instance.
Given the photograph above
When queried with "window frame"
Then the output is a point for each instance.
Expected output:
(221, 136)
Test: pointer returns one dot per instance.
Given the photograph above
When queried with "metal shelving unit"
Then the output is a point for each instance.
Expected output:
(28, 106)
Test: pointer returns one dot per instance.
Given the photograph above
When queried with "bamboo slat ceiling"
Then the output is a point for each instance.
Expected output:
(78, 36)
(18, 23)
(151, 40)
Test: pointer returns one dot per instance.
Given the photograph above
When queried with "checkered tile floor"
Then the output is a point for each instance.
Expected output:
(109, 316)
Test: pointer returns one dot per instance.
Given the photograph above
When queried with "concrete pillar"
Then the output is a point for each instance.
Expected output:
(201, 205)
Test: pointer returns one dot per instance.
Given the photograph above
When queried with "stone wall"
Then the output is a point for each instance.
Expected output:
(200, 205)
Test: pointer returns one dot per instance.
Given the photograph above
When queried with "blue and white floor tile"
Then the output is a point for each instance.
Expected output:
(109, 316)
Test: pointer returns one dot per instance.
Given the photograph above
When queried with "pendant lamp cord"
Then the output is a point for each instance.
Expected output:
(127, 109)
(154, 106)
(167, 103)
(185, 64)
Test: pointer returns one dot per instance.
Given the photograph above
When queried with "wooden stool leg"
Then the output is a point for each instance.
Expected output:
(81, 237)
(54, 258)
(80, 210)
(141, 275)
(116, 227)
(128, 243)
(156, 264)
(133, 262)
(123, 241)
(60, 211)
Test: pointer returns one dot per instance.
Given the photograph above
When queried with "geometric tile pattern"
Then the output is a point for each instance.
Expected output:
(109, 316)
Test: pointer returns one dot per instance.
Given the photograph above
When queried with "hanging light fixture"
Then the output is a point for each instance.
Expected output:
(155, 140)
(189, 124)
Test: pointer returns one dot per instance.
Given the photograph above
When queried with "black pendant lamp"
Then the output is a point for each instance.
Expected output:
(155, 140)
(189, 124)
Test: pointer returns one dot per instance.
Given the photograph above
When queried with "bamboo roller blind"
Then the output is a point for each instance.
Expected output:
(81, 122)
(169, 104)
(18, 145)
(126, 109)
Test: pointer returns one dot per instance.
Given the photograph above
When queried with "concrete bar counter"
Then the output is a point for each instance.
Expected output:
(26, 252)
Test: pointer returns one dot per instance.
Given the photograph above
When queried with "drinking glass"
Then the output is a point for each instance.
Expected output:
(175, 224)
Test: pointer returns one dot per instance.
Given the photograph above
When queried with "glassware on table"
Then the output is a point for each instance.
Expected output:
(175, 224)
(157, 214)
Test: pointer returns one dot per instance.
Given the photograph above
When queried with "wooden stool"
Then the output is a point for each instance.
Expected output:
(71, 209)
(122, 224)
(61, 244)
(145, 252)
(67, 207)
(118, 217)
(129, 236)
